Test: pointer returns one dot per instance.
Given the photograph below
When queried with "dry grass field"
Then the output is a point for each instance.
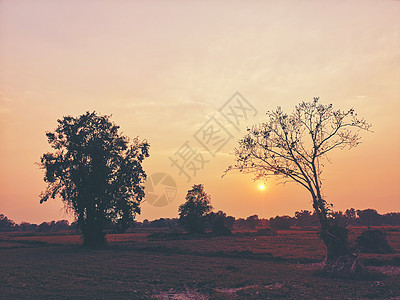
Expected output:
(136, 266)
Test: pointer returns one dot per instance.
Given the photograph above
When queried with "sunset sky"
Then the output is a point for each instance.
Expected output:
(164, 68)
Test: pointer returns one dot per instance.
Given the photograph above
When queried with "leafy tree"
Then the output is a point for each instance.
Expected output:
(305, 218)
(161, 223)
(368, 217)
(391, 218)
(26, 226)
(340, 218)
(281, 222)
(6, 224)
(218, 226)
(212, 216)
(240, 223)
(219, 223)
(61, 225)
(96, 171)
(193, 213)
(294, 147)
(252, 222)
(45, 226)
(350, 214)
(229, 222)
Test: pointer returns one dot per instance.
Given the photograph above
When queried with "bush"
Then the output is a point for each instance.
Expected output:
(373, 241)
(283, 222)
(218, 227)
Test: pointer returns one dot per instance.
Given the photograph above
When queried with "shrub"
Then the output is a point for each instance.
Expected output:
(218, 227)
(373, 241)
(283, 222)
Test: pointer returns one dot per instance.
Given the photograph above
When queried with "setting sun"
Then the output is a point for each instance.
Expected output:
(261, 187)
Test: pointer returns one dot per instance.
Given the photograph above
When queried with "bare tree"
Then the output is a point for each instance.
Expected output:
(294, 147)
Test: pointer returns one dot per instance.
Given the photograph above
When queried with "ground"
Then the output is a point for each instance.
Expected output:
(135, 266)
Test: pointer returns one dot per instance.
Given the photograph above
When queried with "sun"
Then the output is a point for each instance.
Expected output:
(261, 187)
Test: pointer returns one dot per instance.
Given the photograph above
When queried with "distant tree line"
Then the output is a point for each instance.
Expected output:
(9, 225)
(304, 218)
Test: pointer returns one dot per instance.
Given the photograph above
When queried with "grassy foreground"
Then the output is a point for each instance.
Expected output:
(137, 267)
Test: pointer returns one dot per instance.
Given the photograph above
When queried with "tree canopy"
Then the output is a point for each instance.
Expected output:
(294, 146)
(96, 171)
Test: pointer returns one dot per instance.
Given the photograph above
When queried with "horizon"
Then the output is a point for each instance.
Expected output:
(177, 217)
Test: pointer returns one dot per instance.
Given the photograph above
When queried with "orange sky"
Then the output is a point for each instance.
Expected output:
(163, 68)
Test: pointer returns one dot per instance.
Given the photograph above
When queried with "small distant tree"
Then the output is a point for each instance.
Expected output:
(392, 219)
(62, 225)
(45, 226)
(240, 223)
(229, 222)
(281, 222)
(294, 147)
(211, 216)
(74, 226)
(340, 218)
(369, 217)
(192, 213)
(305, 218)
(218, 223)
(96, 171)
(6, 224)
(146, 223)
(25, 226)
(350, 215)
(219, 228)
(252, 221)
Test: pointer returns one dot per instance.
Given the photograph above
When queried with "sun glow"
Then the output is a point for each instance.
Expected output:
(261, 187)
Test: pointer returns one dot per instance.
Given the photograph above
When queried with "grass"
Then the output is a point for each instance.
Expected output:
(137, 267)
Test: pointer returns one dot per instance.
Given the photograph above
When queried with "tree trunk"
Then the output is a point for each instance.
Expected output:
(335, 238)
(93, 235)
(93, 231)
(340, 260)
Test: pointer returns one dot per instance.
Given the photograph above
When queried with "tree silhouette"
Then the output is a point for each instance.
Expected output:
(252, 221)
(218, 222)
(350, 215)
(368, 217)
(96, 171)
(192, 213)
(294, 147)
(281, 222)
(305, 218)
(6, 224)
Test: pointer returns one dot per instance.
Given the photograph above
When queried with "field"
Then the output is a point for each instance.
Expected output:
(136, 266)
